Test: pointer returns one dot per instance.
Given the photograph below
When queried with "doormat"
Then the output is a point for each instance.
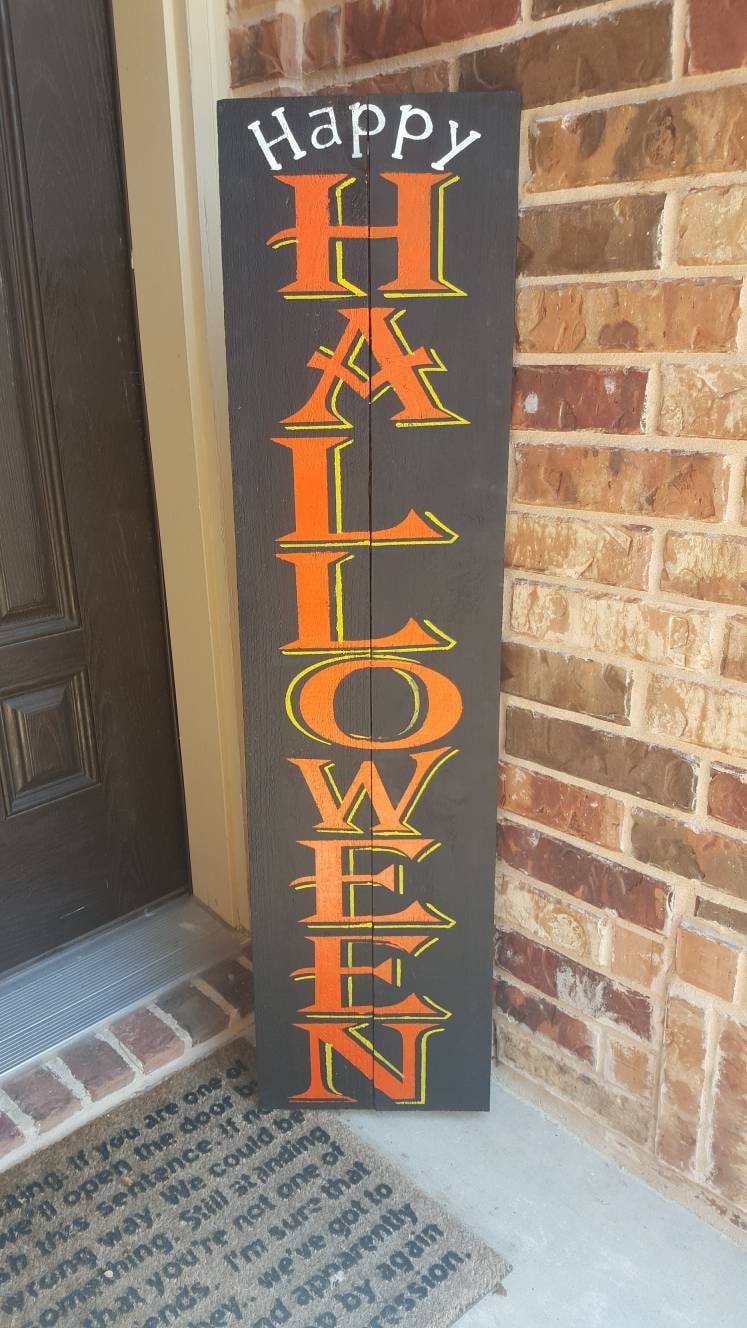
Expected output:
(191, 1206)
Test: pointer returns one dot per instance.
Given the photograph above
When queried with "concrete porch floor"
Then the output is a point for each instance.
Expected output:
(591, 1246)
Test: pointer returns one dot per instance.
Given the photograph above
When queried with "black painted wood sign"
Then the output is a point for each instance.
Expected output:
(368, 254)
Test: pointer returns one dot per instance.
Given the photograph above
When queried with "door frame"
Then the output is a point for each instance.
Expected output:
(170, 160)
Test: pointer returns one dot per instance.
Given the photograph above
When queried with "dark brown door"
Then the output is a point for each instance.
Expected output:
(91, 823)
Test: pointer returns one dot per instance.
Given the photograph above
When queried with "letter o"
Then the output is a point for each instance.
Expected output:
(318, 688)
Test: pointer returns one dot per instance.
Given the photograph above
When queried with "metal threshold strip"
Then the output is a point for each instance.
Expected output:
(57, 998)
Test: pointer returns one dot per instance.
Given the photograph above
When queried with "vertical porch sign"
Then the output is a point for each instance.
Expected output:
(368, 252)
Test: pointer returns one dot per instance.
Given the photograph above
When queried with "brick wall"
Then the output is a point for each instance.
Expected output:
(621, 889)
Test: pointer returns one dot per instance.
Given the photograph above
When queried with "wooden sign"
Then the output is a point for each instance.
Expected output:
(368, 253)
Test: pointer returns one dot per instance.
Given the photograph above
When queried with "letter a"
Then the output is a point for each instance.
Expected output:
(400, 368)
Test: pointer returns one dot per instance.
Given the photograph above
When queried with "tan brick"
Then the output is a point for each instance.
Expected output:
(578, 811)
(626, 50)
(682, 1085)
(646, 315)
(573, 396)
(716, 35)
(729, 1136)
(650, 140)
(587, 993)
(621, 480)
(727, 796)
(620, 1111)
(636, 957)
(707, 962)
(610, 554)
(151, 1041)
(712, 226)
(376, 29)
(712, 567)
(602, 235)
(630, 1067)
(263, 50)
(612, 625)
(710, 402)
(700, 855)
(701, 715)
(593, 880)
(559, 680)
(555, 922)
(545, 1019)
(734, 661)
(611, 760)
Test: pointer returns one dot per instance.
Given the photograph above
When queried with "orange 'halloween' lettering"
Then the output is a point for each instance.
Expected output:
(313, 234)
(437, 707)
(335, 886)
(344, 1037)
(334, 965)
(400, 368)
(338, 809)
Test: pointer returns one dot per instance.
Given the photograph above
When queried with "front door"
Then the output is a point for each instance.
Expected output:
(91, 821)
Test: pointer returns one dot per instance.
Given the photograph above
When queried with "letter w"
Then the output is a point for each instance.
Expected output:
(338, 810)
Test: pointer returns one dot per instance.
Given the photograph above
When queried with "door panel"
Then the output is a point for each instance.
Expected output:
(91, 823)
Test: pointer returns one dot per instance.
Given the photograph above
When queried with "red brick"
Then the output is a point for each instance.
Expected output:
(263, 50)
(420, 78)
(710, 402)
(611, 760)
(727, 796)
(545, 1019)
(565, 681)
(193, 1011)
(592, 879)
(734, 660)
(11, 1137)
(233, 982)
(732, 918)
(621, 1112)
(626, 50)
(729, 1137)
(586, 992)
(611, 554)
(42, 1096)
(321, 36)
(701, 855)
(716, 35)
(573, 396)
(98, 1067)
(604, 235)
(682, 1085)
(621, 480)
(377, 29)
(707, 962)
(645, 315)
(651, 140)
(548, 8)
(712, 567)
(614, 625)
(562, 806)
(148, 1039)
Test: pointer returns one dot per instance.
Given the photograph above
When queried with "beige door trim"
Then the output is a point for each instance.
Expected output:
(184, 375)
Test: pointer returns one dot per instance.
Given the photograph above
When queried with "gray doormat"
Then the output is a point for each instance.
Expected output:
(190, 1206)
